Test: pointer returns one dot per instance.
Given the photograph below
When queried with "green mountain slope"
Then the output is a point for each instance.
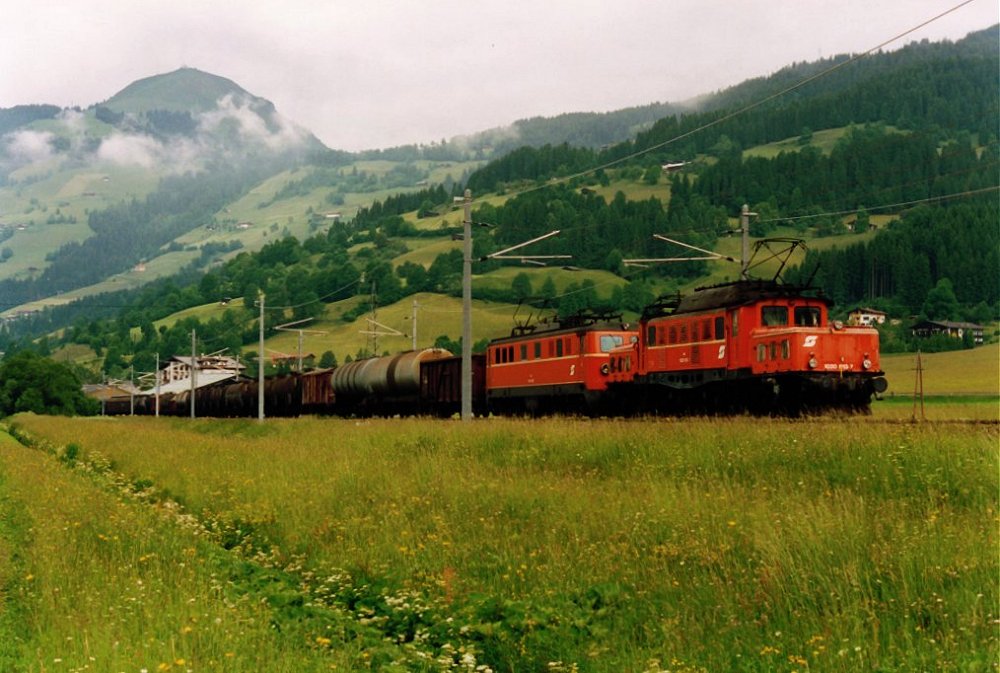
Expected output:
(384, 225)
(183, 90)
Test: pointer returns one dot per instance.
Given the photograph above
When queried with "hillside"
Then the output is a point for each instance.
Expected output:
(184, 90)
(360, 222)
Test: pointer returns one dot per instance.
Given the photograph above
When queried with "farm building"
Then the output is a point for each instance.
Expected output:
(928, 328)
(105, 391)
(175, 374)
(865, 317)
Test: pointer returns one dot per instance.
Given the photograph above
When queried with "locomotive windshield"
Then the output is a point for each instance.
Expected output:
(807, 316)
(773, 316)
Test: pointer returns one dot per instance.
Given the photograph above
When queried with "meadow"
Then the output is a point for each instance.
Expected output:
(507, 545)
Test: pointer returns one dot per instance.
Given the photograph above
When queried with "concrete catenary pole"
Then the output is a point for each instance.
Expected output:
(260, 364)
(467, 308)
(745, 233)
(413, 337)
(194, 368)
(157, 385)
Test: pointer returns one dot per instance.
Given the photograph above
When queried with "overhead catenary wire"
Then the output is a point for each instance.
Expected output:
(726, 117)
(748, 107)
(888, 206)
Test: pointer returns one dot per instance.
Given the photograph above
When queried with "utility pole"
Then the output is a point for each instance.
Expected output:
(374, 320)
(414, 330)
(194, 368)
(467, 307)
(157, 385)
(260, 363)
(918, 390)
(745, 231)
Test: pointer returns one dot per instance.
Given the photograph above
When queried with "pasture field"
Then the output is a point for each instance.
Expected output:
(974, 371)
(503, 544)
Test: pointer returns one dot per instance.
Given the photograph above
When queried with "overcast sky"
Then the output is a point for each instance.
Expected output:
(376, 73)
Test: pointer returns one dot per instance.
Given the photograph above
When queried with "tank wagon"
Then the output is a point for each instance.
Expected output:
(386, 385)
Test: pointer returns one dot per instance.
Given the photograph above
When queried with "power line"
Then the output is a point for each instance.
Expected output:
(313, 301)
(748, 107)
(888, 206)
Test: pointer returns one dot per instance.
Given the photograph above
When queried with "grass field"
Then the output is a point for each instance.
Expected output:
(557, 545)
(963, 372)
(73, 193)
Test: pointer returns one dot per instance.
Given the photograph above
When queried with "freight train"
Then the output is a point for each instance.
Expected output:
(748, 346)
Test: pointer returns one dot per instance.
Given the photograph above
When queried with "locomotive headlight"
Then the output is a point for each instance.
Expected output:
(866, 364)
(813, 363)
(605, 369)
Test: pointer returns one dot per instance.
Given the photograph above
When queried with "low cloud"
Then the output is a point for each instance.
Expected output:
(235, 126)
(251, 126)
(130, 150)
(28, 146)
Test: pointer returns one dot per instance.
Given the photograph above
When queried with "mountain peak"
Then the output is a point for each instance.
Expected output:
(183, 90)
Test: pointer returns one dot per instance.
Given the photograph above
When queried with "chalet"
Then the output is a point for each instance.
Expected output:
(673, 166)
(244, 225)
(852, 226)
(958, 330)
(865, 317)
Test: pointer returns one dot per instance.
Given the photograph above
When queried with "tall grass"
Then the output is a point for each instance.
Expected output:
(91, 583)
(730, 544)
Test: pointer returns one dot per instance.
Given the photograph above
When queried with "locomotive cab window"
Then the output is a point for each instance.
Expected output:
(720, 328)
(773, 316)
(651, 335)
(807, 316)
(610, 341)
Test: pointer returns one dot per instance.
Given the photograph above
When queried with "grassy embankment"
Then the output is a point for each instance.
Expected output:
(731, 544)
(92, 581)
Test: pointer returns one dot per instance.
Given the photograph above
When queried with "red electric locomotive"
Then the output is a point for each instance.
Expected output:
(754, 345)
(563, 369)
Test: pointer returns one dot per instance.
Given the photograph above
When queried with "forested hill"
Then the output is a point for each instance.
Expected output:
(975, 46)
(940, 89)
(951, 86)
(889, 164)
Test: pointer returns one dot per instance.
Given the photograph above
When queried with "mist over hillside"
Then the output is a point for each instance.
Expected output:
(172, 123)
